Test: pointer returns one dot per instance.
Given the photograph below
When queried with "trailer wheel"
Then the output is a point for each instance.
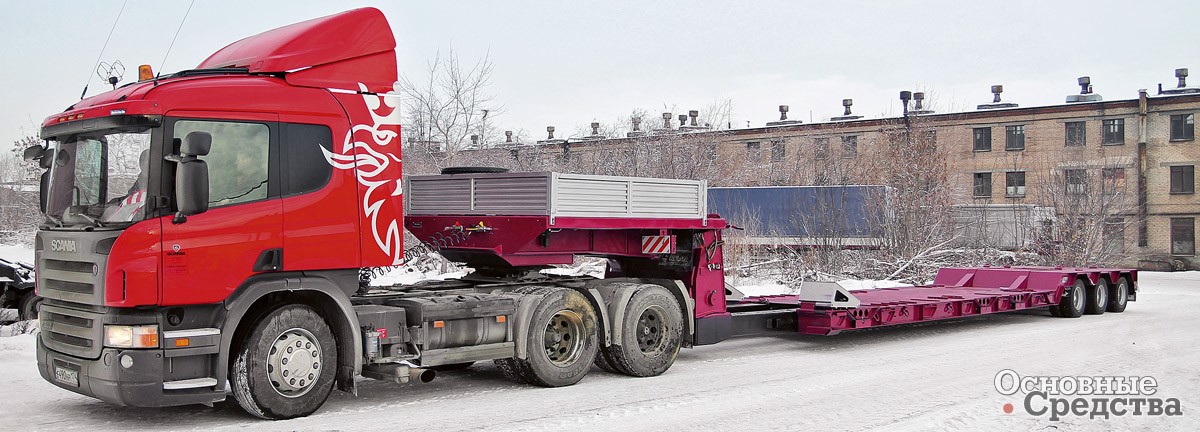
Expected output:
(561, 339)
(285, 367)
(1118, 295)
(1054, 311)
(28, 306)
(1073, 300)
(651, 333)
(1097, 301)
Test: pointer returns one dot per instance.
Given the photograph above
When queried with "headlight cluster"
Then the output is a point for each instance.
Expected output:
(123, 336)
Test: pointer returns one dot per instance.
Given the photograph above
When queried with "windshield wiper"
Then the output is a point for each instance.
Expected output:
(56, 221)
(93, 220)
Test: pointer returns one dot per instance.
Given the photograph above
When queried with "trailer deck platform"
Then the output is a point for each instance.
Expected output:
(956, 293)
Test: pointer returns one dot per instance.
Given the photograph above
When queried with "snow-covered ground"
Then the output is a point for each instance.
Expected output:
(16, 253)
(936, 376)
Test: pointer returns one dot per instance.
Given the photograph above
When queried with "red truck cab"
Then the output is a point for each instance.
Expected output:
(279, 156)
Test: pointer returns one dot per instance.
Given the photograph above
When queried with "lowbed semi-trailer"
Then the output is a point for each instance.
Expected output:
(205, 232)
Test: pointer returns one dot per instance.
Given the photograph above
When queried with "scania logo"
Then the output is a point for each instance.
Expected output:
(63, 246)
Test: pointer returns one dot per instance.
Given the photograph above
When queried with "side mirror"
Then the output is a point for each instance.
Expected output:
(34, 152)
(191, 176)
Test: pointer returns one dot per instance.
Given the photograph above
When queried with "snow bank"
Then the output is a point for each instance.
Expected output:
(19, 328)
(17, 253)
(407, 275)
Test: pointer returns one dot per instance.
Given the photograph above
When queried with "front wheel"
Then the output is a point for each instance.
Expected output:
(286, 365)
(29, 306)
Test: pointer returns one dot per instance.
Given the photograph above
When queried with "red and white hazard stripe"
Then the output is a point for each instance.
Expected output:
(658, 244)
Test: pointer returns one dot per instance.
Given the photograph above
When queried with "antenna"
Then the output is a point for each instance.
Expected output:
(102, 48)
(164, 60)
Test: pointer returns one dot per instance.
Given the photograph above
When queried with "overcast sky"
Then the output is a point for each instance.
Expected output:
(567, 63)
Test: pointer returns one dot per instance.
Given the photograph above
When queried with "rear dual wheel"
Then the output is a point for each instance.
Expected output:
(561, 340)
(651, 335)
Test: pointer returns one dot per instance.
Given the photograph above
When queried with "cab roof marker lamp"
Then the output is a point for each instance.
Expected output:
(145, 73)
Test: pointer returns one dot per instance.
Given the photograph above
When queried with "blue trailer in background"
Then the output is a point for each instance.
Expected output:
(826, 216)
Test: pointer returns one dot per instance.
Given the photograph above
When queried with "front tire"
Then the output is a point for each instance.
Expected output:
(28, 306)
(285, 367)
(651, 333)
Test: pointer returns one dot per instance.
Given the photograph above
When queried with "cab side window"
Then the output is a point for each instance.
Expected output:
(305, 166)
(239, 161)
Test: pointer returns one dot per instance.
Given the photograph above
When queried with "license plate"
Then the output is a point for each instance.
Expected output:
(66, 376)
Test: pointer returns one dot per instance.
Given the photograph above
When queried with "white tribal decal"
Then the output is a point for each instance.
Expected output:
(370, 165)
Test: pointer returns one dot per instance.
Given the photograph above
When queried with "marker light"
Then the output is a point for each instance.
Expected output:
(121, 336)
(145, 73)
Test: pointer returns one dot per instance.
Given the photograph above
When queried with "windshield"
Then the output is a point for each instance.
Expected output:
(98, 178)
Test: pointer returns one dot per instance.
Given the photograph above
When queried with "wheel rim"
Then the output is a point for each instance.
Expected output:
(1102, 296)
(1122, 293)
(650, 330)
(294, 362)
(1077, 296)
(564, 337)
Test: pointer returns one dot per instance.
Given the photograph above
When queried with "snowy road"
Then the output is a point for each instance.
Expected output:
(933, 376)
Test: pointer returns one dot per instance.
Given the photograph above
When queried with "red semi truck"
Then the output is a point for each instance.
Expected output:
(205, 233)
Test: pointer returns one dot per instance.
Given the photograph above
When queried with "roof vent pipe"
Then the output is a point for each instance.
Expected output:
(666, 120)
(508, 136)
(1181, 73)
(996, 103)
(847, 115)
(550, 132)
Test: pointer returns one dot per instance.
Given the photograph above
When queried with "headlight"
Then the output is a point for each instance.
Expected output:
(121, 336)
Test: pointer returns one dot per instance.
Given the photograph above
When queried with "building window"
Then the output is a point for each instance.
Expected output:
(1076, 181)
(778, 152)
(822, 148)
(1183, 127)
(1183, 179)
(1112, 180)
(1113, 234)
(1014, 137)
(983, 139)
(1014, 184)
(753, 151)
(850, 146)
(1076, 134)
(1183, 236)
(983, 185)
(1114, 131)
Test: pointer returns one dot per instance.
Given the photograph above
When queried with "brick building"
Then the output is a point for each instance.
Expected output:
(1131, 161)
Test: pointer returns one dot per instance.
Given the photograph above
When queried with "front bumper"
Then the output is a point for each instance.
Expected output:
(140, 385)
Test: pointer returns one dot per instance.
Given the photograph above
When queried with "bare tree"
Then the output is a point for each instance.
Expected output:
(1094, 204)
(449, 110)
(19, 214)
